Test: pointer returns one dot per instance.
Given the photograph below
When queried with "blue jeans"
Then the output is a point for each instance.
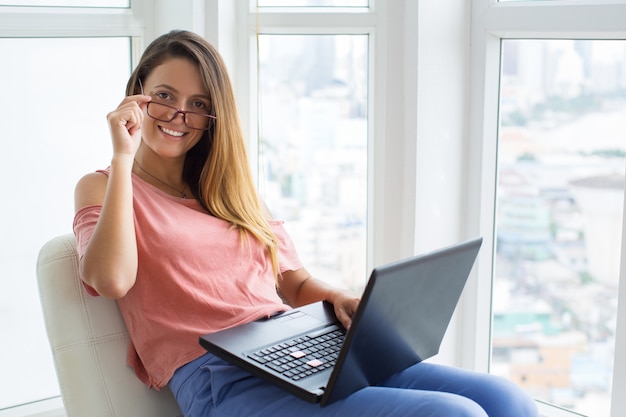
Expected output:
(210, 387)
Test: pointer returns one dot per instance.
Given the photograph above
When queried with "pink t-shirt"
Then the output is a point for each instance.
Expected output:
(194, 278)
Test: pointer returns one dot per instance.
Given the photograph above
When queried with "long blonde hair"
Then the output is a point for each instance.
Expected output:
(216, 168)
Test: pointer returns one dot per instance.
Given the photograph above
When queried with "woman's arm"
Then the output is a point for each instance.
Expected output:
(109, 264)
(300, 288)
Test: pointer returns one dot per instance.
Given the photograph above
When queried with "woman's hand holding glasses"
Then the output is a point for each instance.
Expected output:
(125, 124)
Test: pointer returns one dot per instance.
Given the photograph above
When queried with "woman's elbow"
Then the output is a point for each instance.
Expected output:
(113, 289)
(111, 285)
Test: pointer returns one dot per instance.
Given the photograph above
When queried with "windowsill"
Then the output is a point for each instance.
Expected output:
(52, 407)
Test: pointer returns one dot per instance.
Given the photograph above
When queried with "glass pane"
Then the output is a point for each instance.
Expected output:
(313, 3)
(68, 3)
(313, 150)
(562, 153)
(55, 131)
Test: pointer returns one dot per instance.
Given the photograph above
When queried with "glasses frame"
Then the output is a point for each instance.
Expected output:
(177, 111)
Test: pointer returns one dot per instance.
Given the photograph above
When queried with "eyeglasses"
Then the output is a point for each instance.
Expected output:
(166, 113)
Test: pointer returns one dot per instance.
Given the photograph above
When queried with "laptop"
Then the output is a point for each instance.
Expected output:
(401, 320)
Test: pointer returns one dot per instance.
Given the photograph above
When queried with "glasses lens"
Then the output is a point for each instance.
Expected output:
(166, 113)
(161, 112)
(197, 120)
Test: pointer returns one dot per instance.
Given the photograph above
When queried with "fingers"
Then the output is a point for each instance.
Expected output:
(129, 113)
(346, 310)
(344, 319)
(128, 117)
(139, 98)
(125, 123)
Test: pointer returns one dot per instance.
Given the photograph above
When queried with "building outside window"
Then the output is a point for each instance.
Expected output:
(561, 159)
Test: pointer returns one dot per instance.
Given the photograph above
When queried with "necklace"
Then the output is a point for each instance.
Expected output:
(181, 192)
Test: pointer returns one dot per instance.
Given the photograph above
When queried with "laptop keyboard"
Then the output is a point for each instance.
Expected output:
(303, 356)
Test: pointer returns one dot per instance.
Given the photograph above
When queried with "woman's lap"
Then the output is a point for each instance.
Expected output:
(210, 387)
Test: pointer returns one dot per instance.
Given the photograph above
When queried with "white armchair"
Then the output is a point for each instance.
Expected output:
(89, 342)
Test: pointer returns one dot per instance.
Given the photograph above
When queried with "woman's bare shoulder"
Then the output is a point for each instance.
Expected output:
(90, 190)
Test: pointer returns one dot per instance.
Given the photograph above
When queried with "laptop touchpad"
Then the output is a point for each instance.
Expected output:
(297, 318)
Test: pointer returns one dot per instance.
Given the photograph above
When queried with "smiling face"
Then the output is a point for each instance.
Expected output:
(176, 83)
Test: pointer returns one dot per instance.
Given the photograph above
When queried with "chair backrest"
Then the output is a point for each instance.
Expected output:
(89, 342)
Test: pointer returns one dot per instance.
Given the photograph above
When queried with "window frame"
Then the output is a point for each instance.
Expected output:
(493, 21)
(38, 22)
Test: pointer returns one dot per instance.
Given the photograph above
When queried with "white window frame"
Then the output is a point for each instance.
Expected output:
(491, 22)
(36, 22)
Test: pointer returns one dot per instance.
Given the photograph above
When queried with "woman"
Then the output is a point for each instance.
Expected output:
(175, 231)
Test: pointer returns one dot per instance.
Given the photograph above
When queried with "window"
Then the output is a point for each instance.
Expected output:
(561, 159)
(60, 91)
(314, 74)
(313, 147)
(67, 70)
(548, 107)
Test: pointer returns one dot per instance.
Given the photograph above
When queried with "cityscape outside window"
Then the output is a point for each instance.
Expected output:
(560, 197)
(313, 148)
